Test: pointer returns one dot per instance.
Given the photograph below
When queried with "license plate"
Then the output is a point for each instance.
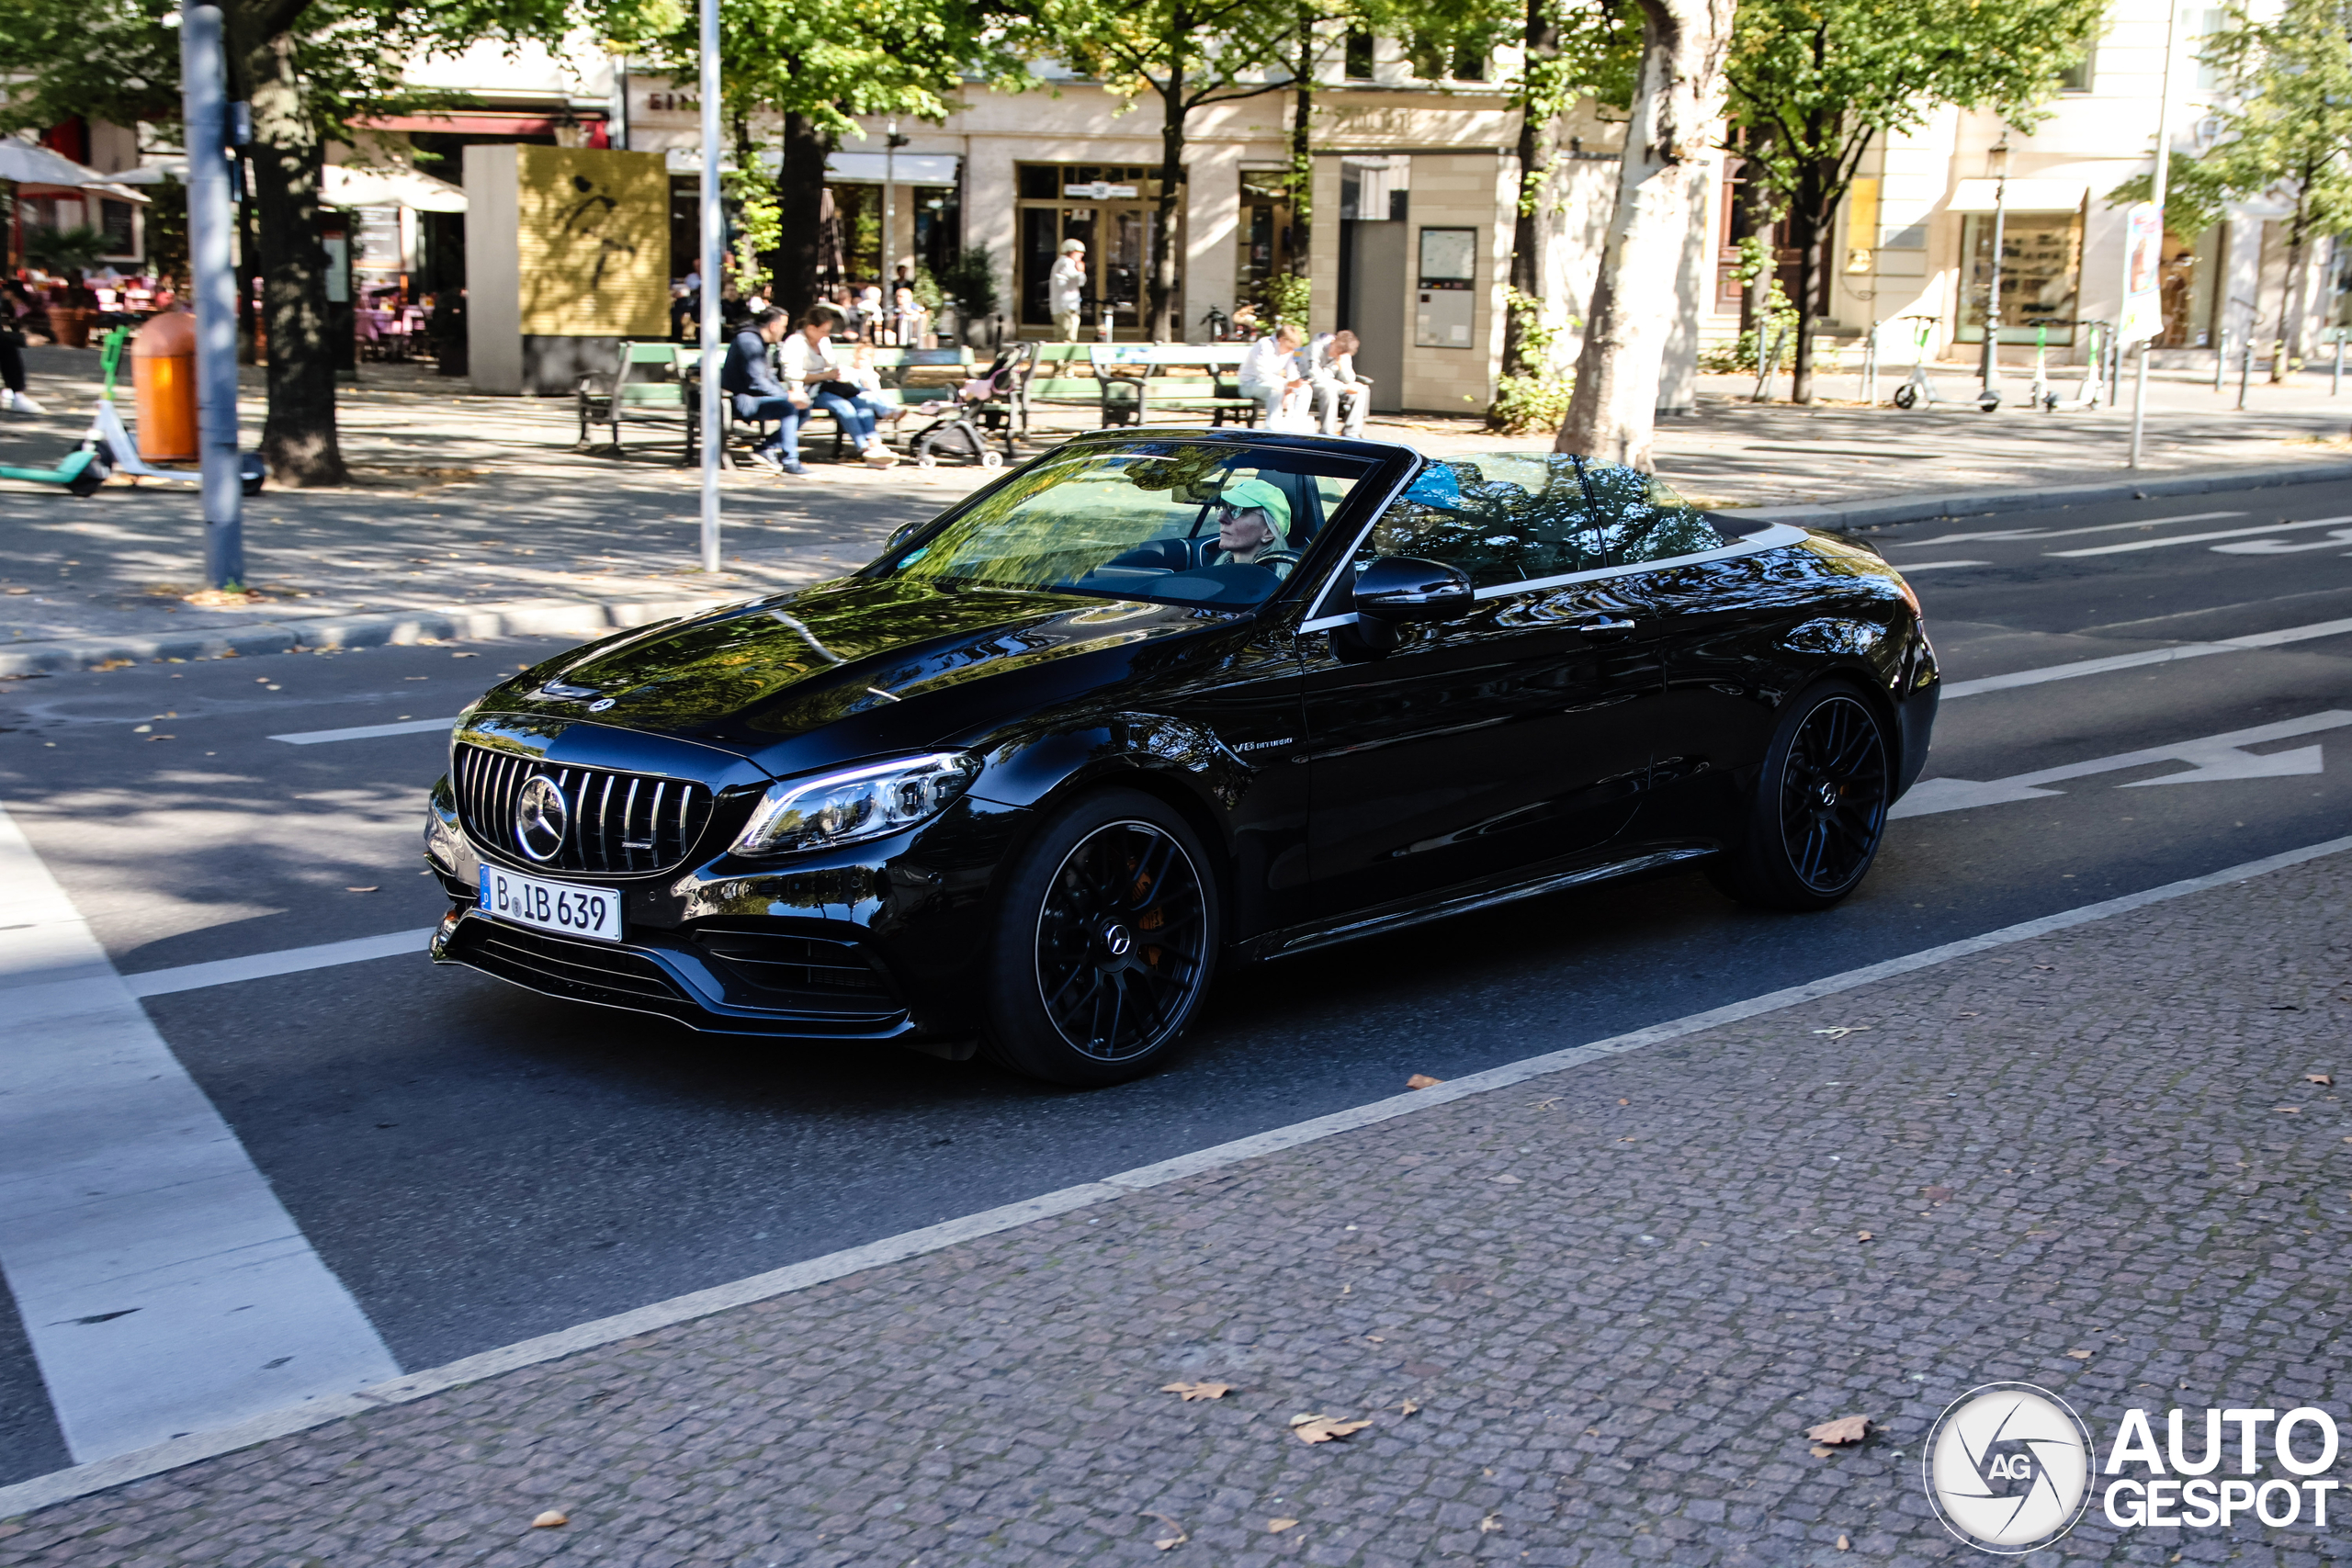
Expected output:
(552, 906)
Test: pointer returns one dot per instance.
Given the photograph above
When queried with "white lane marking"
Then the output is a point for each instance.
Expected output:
(41, 1492)
(2149, 656)
(285, 961)
(2064, 532)
(2196, 538)
(2214, 758)
(2282, 546)
(162, 1286)
(1906, 568)
(366, 731)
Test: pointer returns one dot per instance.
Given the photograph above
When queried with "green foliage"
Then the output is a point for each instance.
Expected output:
(971, 281)
(66, 251)
(1747, 351)
(2287, 125)
(1282, 298)
(1526, 405)
(759, 220)
(2194, 194)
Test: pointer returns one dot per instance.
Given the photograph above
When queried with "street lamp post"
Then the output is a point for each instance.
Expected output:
(2156, 199)
(1989, 366)
(204, 86)
(714, 427)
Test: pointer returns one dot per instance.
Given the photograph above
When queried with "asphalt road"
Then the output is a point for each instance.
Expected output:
(479, 1165)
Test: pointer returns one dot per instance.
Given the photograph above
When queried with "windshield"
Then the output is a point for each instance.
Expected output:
(1172, 522)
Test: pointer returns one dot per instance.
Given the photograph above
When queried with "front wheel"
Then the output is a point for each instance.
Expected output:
(1905, 395)
(1818, 814)
(1105, 946)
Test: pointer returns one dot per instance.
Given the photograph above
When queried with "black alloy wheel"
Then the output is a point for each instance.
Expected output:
(1819, 811)
(1107, 943)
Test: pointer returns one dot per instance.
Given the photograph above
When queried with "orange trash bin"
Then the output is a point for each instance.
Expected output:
(163, 381)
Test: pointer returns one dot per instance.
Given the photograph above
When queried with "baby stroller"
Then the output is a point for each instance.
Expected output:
(984, 408)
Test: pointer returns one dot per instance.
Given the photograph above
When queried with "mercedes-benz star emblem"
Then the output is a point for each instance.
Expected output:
(541, 816)
(1116, 941)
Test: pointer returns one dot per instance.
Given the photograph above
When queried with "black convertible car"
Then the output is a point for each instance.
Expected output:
(1155, 701)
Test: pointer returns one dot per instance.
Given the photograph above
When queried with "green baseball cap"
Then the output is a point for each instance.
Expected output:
(1258, 495)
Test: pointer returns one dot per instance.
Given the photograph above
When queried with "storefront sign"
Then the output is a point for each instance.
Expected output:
(2144, 255)
(1101, 190)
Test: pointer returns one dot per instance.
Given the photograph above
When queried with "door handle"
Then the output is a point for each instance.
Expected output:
(1610, 626)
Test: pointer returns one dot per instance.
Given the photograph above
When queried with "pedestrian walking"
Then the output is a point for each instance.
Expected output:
(1066, 288)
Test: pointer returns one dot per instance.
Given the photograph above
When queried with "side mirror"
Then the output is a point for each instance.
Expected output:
(1400, 587)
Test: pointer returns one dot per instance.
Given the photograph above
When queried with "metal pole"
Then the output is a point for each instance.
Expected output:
(2156, 195)
(2246, 367)
(2220, 358)
(213, 277)
(1990, 371)
(2335, 385)
(714, 351)
(889, 222)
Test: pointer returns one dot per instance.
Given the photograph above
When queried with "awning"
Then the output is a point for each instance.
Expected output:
(348, 186)
(2022, 196)
(28, 163)
(906, 168)
(474, 122)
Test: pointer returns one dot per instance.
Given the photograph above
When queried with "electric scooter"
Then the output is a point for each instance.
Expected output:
(2093, 390)
(81, 472)
(1920, 387)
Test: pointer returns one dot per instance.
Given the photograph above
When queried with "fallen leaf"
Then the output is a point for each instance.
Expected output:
(2288, 1109)
(148, 728)
(2317, 1077)
(360, 890)
(1820, 1453)
(550, 1519)
(2046, 966)
(1491, 1524)
(1845, 1429)
(1508, 1180)
(1409, 1407)
(1966, 1015)
(1845, 1545)
(1843, 1029)
(1864, 1235)
(1192, 1391)
(478, 655)
(1322, 1428)
(1276, 1527)
(1625, 1103)
(1422, 1080)
(2079, 1355)
(1938, 1194)
(1168, 1541)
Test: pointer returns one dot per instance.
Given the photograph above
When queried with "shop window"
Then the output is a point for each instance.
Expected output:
(1112, 209)
(1264, 234)
(2042, 267)
(1357, 57)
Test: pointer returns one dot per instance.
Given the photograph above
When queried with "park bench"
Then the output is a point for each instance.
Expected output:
(1063, 372)
(1134, 380)
(911, 377)
(648, 385)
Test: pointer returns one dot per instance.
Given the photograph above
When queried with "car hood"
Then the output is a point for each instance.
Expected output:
(746, 677)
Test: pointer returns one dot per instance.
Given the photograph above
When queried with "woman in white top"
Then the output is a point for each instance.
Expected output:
(810, 361)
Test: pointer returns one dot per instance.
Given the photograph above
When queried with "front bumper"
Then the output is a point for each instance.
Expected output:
(880, 942)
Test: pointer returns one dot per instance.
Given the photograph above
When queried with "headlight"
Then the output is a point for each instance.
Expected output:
(861, 803)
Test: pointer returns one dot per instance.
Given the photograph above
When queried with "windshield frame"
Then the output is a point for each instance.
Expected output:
(1393, 468)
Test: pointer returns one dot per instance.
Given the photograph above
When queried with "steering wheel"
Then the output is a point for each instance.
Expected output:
(1280, 562)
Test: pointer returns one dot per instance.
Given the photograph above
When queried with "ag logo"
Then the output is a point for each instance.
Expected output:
(2007, 1468)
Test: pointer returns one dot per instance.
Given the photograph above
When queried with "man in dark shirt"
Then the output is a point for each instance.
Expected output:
(747, 379)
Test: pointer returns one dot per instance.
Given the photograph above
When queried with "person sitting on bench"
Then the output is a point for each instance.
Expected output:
(1340, 394)
(1270, 370)
(759, 395)
(810, 364)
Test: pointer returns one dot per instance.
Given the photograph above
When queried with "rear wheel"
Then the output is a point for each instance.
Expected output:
(1106, 943)
(1819, 810)
(1905, 395)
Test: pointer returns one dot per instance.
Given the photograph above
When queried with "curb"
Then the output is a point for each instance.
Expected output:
(546, 617)
(1917, 508)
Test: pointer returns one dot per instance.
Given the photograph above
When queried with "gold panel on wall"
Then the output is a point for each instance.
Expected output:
(593, 237)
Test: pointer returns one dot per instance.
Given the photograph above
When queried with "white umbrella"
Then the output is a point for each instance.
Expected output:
(28, 163)
(348, 186)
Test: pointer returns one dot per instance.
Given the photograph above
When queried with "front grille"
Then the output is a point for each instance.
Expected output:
(621, 824)
(790, 964)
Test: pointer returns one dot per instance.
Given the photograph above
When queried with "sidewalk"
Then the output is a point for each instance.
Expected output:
(1588, 1314)
(482, 506)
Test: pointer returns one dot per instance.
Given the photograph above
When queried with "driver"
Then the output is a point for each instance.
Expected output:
(1252, 521)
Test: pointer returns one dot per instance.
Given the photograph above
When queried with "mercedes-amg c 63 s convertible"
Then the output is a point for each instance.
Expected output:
(1156, 701)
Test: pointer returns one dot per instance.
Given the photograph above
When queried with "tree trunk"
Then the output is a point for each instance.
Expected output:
(1758, 217)
(1675, 108)
(299, 436)
(1539, 147)
(1813, 218)
(1162, 325)
(2294, 301)
(1302, 147)
(800, 198)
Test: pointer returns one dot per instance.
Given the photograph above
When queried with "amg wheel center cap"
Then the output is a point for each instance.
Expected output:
(541, 817)
(1117, 939)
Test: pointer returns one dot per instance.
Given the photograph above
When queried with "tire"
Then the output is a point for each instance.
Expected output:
(1819, 813)
(1106, 942)
(991, 458)
(1987, 401)
(1905, 395)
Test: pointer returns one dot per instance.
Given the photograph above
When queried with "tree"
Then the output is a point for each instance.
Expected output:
(1677, 103)
(809, 67)
(1187, 54)
(308, 68)
(1817, 81)
(2285, 133)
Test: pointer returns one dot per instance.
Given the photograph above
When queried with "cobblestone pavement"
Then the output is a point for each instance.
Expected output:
(464, 501)
(1617, 1295)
